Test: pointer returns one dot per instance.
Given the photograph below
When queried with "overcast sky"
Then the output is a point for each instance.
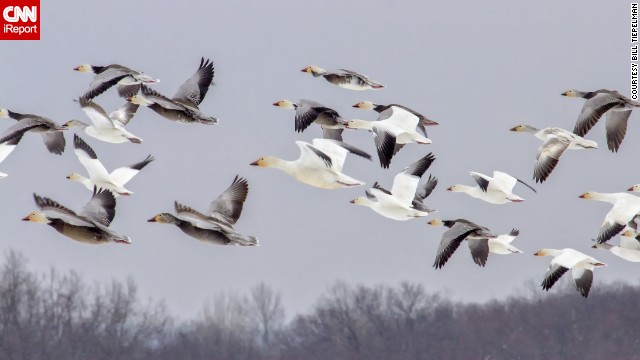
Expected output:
(478, 68)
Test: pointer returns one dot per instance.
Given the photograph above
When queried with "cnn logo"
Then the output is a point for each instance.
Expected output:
(20, 20)
(15, 13)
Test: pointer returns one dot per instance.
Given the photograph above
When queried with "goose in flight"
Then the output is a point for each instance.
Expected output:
(422, 120)
(127, 79)
(98, 175)
(460, 229)
(183, 106)
(50, 131)
(554, 143)
(217, 225)
(600, 102)
(312, 112)
(108, 128)
(319, 165)
(629, 248)
(496, 190)
(345, 79)
(405, 200)
(395, 128)
(89, 226)
(581, 266)
(625, 208)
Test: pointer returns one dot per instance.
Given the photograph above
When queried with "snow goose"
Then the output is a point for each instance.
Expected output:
(319, 165)
(51, 132)
(616, 106)
(404, 201)
(459, 230)
(555, 142)
(183, 106)
(496, 190)
(625, 207)
(394, 128)
(309, 112)
(629, 248)
(98, 175)
(581, 266)
(423, 120)
(126, 78)
(90, 225)
(107, 128)
(217, 226)
(346, 79)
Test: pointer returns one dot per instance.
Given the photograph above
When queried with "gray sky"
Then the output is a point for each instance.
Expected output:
(478, 68)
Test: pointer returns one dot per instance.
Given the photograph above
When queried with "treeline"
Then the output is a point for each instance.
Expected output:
(59, 316)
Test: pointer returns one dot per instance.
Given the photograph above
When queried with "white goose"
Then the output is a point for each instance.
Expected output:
(107, 128)
(496, 190)
(395, 128)
(423, 120)
(625, 207)
(319, 165)
(629, 248)
(581, 266)
(404, 201)
(98, 175)
(555, 142)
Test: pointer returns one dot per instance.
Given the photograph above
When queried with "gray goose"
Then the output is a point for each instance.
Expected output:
(50, 131)
(346, 79)
(89, 226)
(183, 106)
(312, 112)
(600, 102)
(460, 229)
(217, 226)
(127, 79)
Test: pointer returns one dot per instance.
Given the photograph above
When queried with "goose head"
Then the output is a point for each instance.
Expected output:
(74, 124)
(37, 217)
(436, 222)
(164, 218)
(314, 70)
(286, 104)
(4, 113)
(634, 188)
(523, 128)
(357, 124)
(589, 195)
(139, 100)
(84, 68)
(573, 93)
(266, 161)
(365, 105)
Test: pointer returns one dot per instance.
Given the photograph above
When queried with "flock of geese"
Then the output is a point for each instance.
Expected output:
(320, 164)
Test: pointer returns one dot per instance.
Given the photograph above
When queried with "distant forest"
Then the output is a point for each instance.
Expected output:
(60, 316)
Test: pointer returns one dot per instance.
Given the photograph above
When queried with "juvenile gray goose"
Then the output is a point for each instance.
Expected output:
(346, 79)
(127, 79)
(217, 226)
(616, 106)
(50, 131)
(90, 226)
(460, 229)
(183, 106)
(312, 112)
